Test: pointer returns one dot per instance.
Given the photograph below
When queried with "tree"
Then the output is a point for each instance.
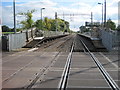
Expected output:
(38, 26)
(50, 24)
(82, 29)
(67, 26)
(47, 23)
(5, 29)
(111, 24)
(53, 25)
(61, 24)
(28, 23)
(118, 27)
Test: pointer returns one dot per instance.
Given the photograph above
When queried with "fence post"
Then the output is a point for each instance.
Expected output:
(27, 36)
(32, 32)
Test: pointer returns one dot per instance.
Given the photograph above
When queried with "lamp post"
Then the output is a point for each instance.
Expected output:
(41, 17)
(14, 16)
(102, 12)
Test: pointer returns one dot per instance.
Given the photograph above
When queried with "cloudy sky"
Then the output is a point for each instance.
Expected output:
(64, 8)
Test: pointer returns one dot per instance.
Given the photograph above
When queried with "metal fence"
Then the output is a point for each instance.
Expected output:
(109, 39)
(18, 40)
(13, 41)
(29, 33)
(51, 33)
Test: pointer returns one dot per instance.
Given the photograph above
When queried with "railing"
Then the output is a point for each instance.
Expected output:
(51, 33)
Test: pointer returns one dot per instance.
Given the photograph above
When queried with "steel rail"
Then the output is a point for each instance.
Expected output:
(108, 78)
(38, 76)
(65, 74)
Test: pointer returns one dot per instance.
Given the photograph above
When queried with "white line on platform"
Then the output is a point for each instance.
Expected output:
(33, 49)
(108, 59)
(37, 38)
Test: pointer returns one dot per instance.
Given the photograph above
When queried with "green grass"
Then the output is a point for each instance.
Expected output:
(7, 32)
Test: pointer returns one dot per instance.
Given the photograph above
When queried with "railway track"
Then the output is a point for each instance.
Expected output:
(65, 75)
(22, 68)
(108, 78)
(64, 65)
(56, 45)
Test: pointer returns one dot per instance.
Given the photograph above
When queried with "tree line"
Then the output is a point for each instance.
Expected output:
(47, 24)
(109, 25)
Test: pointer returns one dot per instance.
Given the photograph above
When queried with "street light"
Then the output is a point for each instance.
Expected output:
(41, 17)
(14, 16)
(102, 12)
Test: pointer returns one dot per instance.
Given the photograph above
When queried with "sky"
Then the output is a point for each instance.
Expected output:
(80, 8)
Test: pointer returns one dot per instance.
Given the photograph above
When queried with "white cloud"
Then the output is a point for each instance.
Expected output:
(62, 6)
(116, 21)
(0, 15)
(81, 4)
(38, 4)
(23, 7)
(7, 16)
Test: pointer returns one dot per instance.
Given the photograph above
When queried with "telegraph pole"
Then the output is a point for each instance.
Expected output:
(102, 14)
(91, 23)
(41, 18)
(14, 16)
(105, 13)
(56, 20)
(91, 20)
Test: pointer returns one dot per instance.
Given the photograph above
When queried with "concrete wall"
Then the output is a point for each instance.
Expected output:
(109, 39)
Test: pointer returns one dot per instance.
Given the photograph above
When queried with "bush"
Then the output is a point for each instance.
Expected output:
(5, 28)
